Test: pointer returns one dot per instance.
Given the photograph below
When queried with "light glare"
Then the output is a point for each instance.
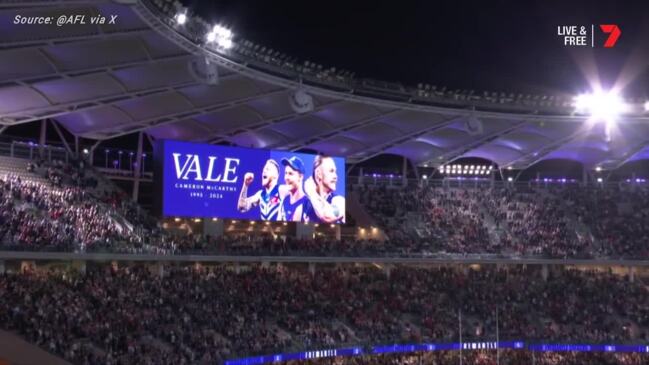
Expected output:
(601, 105)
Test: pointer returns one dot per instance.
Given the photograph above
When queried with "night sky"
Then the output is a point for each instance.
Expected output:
(507, 46)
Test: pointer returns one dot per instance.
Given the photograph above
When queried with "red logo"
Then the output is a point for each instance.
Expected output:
(613, 32)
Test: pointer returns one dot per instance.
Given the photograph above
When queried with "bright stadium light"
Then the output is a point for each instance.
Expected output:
(598, 168)
(646, 106)
(211, 37)
(599, 180)
(222, 31)
(601, 105)
(225, 43)
(221, 35)
(181, 18)
(510, 179)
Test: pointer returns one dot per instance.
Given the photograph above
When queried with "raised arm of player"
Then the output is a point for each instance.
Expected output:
(246, 202)
(328, 213)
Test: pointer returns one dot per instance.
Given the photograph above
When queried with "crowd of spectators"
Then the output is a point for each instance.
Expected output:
(619, 219)
(534, 222)
(202, 314)
(513, 220)
(68, 213)
(484, 357)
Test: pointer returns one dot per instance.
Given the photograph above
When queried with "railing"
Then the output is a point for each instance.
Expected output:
(31, 151)
(18, 253)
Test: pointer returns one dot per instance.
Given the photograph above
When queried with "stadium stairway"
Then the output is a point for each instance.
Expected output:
(16, 351)
(495, 232)
(581, 230)
(360, 215)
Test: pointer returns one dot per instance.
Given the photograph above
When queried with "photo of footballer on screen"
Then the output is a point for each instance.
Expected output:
(323, 205)
(268, 198)
(292, 194)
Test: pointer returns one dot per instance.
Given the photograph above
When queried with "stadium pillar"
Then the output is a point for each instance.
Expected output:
(544, 272)
(337, 230)
(631, 274)
(312, 268)
(138, 162)
(360, 176)
(584, 176)
(42, 138)
(404, 172)
(2, 267)
(304, 230)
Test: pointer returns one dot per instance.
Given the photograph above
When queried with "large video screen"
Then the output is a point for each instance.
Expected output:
(209, 181)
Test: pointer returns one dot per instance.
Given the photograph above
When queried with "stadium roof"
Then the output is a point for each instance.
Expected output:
(105, 81)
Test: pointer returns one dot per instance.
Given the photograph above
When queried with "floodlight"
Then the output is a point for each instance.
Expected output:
(510, 179)
(601, 105)
(222, 31)
(646, 106)
(226, 43)
(181, 18)
(211, 37)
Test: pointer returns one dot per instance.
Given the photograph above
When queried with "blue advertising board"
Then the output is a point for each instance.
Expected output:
(209, 181)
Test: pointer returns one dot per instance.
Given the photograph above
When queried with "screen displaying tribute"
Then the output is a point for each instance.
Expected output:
(208, 181)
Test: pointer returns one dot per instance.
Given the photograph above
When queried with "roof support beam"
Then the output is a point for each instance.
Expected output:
(452, 155)
(299, 143)
(62, 137)
(28, 80)
(636, 149)
(54, 40)
(52, 111)
(547, 149)
(176, 117)
(224, 136)
(377, 150)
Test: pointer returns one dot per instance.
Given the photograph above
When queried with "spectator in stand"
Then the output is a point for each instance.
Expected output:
(207, 314)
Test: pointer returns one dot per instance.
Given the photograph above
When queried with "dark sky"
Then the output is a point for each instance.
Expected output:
(481, 45)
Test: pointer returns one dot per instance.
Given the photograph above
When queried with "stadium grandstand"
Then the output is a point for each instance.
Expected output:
(173, 193)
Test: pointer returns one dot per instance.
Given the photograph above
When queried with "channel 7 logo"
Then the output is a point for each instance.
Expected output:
(613, 32)
(582, 36)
